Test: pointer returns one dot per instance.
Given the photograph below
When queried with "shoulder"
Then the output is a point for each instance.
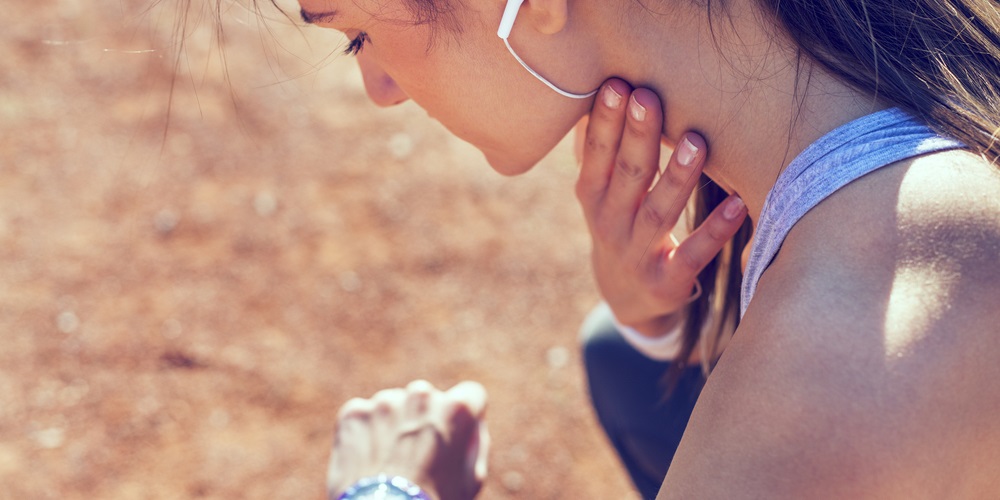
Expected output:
(865, 365)
(929, 225)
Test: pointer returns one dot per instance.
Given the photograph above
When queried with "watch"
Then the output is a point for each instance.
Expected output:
(383, 487)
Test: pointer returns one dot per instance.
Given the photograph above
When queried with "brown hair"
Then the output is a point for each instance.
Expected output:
(939, 60)
(716, 312)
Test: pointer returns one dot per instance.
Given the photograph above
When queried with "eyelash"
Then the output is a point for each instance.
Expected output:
(356, 44)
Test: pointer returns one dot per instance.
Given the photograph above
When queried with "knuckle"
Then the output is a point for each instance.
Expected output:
(383, 407)
(418, 398)
(689, 260)
(596, 145)
(418, 403)
(675, 179)
(630, 170)
(653, 215)
(639, 130)
(355, 408)
(717, 232)
(420, 388)
(388, 401)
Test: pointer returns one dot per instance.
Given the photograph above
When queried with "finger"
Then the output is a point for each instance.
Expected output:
(462, 414)
(472, 395)
(481, 465)
(420, 386)
(695, 252)
(664, 204)
(465, 422)
(353, 441)
(418, 398)
(355, 408)
(477, 456)
(604, 131)
(386, 414)
(637, 161)
(387, 404)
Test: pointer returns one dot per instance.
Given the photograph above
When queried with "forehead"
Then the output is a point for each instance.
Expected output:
(434, 13)
(329, 11)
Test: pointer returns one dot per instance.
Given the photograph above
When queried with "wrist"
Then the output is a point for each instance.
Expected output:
(658, 327)
(663, 339)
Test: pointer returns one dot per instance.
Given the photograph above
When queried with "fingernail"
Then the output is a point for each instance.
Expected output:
(612, 99)
(638, 112)
(734, 208)
(686, 153)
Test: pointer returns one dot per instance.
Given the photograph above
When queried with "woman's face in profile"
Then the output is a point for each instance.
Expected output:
(458, 70)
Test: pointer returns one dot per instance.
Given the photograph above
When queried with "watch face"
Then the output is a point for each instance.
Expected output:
(383, 487)
(380, 491)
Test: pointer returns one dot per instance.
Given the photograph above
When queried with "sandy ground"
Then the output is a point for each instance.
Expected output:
(183, 313)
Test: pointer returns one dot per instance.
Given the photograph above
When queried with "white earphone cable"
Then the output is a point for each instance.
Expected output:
(542, 78)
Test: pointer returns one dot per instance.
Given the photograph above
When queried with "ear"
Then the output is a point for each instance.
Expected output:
(547, 17)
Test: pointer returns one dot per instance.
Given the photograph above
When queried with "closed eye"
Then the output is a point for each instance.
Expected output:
(317, 17)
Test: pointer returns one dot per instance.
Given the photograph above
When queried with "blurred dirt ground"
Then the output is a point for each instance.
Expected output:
(183, 313)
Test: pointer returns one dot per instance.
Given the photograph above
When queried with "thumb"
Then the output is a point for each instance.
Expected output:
(472, 395)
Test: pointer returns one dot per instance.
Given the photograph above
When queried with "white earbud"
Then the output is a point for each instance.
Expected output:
(506, 25)
(507, 21)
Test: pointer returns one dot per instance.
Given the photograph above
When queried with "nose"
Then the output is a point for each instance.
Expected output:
(381, 88)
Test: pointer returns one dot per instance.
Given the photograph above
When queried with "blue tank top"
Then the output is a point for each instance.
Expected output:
(836, 159)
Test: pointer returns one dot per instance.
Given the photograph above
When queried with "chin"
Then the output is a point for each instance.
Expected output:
(505, 165)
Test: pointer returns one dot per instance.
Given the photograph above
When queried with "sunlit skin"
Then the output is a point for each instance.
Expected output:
(464, 79)
(816, 395)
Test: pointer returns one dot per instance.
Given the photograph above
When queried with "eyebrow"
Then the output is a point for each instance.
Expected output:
(317, 17)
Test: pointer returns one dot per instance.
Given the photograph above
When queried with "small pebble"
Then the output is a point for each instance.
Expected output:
(350, 282)
(50, 438)
(557, 357)
(265, 203)
(512, 481)
(165, 221)
(400, 145)
(67, 322)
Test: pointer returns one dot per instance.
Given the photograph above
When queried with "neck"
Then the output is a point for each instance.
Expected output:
(753, 99)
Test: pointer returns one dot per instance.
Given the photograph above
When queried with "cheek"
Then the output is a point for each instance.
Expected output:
(381, 88)
(513, 150)
(527, 129)
(496, 106)
(514, 131)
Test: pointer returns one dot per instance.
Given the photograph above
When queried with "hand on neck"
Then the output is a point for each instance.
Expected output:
(755, 100)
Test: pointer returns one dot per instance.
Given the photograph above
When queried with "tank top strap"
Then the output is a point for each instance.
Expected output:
(839, 157)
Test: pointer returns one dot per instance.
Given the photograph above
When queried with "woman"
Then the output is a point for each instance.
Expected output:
(859, 136)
